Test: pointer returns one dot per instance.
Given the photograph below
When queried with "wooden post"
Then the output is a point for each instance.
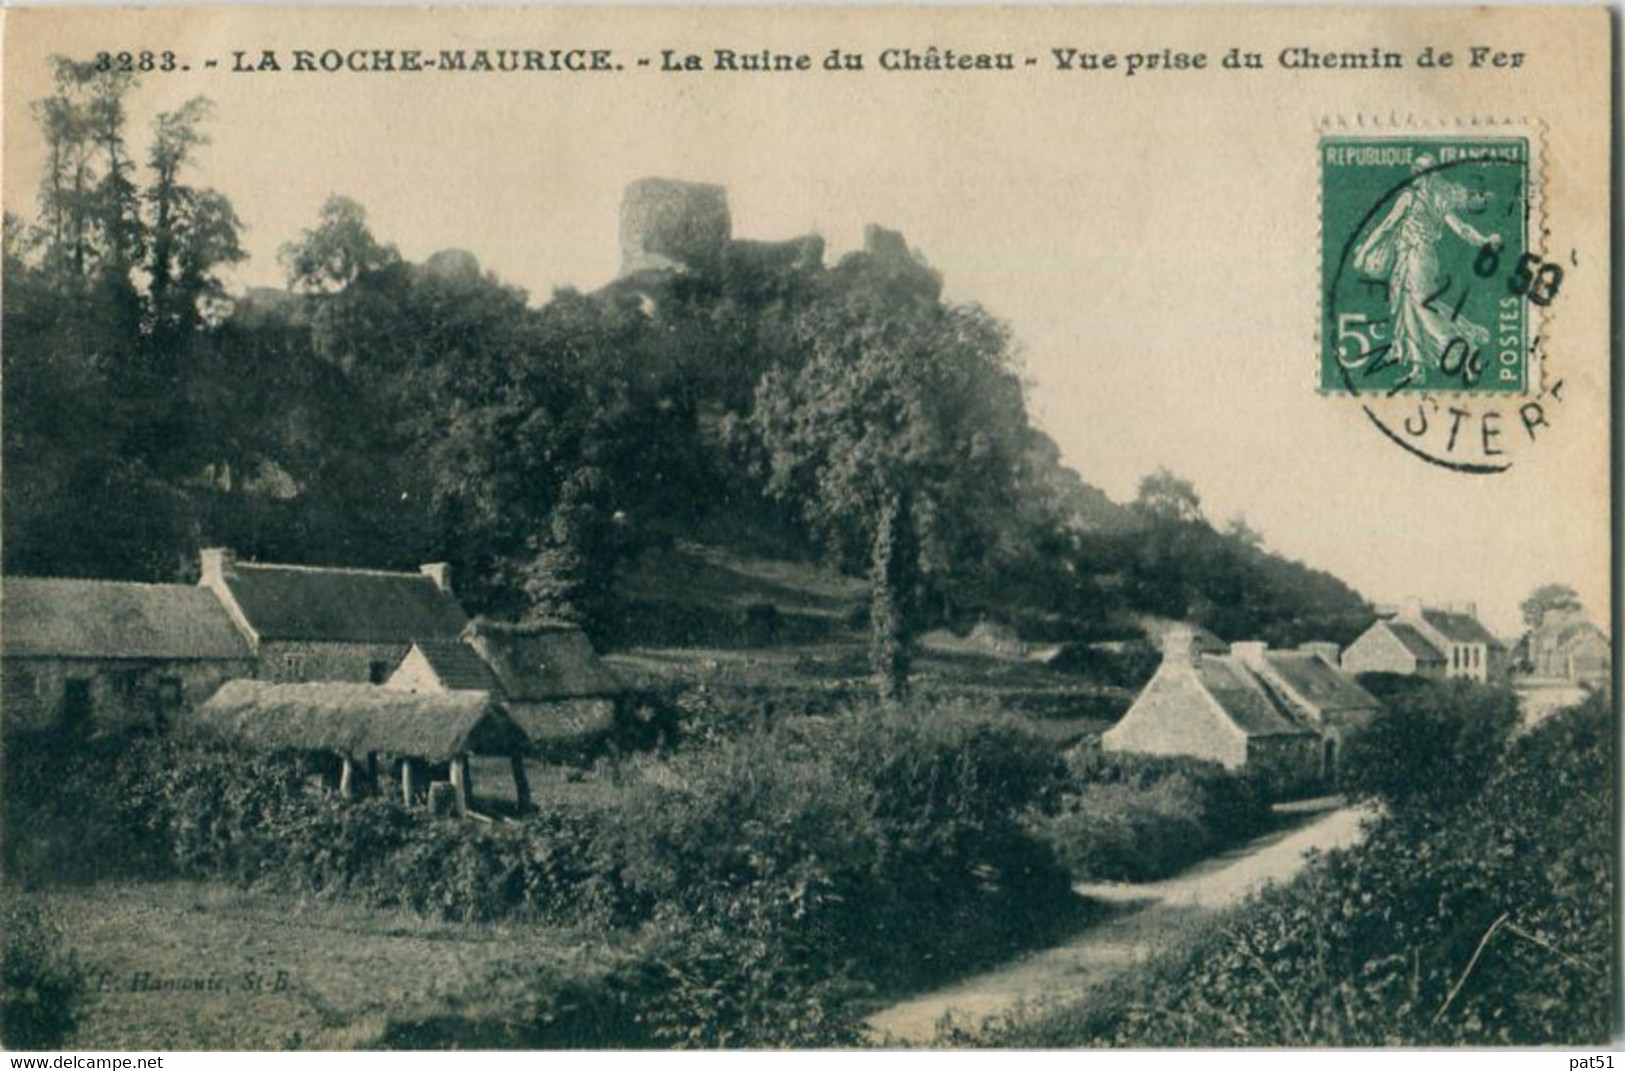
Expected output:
(408, 782)
(347, 777)
(459, 782)
(521, 783)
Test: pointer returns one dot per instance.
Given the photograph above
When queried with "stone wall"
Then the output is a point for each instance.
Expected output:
(1174, 716)
(1376, 651)
(123, 693)
(668, 225)
(290, 661)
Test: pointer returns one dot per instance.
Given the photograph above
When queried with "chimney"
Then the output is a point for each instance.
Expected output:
(1250, 652)
(1329, 651)
(1411, 609)
(215, 564)
(1179, 646)
(1470, 609)
(440, 573)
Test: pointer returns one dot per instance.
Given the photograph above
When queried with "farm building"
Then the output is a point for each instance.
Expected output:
(1280, 714)
(308, 623)
(90, 655)
(1447, 642)
(370, 731)
(549, 678)
(1568, 647)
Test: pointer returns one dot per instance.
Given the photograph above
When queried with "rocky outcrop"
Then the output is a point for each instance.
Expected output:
(886, 261)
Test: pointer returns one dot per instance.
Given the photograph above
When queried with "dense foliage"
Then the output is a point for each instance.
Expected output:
(41, 984)
(1140, 818)
(384, 413)
(1489, 922)
(1428, 748)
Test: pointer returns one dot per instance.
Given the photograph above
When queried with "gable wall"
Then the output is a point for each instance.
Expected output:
(1174, 715)
(1378, 651)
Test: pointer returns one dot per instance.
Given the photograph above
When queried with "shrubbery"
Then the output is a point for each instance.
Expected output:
(1139, 818)
(40, 984)
(1494, 927)
(770, 874)
(1428, 748)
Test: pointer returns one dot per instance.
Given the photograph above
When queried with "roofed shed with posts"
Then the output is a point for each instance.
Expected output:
(369, 729)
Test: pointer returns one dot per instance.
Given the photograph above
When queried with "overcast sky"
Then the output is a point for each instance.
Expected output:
(1153, 247)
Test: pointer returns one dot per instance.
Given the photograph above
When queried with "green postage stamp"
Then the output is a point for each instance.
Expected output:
(1430, 281)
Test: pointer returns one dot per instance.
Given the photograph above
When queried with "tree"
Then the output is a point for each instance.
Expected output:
(194, 231)
(336, 252)
(1164, 496)
(1238, 529)
(897, 434)
(1548, 597)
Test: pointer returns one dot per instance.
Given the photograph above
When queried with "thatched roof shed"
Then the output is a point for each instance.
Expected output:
(538, 663)
(356, 719)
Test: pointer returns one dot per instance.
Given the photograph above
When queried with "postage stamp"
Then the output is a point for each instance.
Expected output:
(1431, 274)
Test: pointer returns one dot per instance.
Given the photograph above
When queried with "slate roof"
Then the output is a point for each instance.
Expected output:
(1460, 628)
(1320, 683)
(49, 617)
(297, 602)
(1415, 642)
(457, 665)
(357, 718)
(1243, 699)
(541, 662)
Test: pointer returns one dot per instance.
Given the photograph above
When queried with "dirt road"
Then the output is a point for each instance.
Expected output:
(1145, 917)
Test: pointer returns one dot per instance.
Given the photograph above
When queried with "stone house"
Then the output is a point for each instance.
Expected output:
(1279, 715)
(1441, 642)
(548, 677)
(310, 623)
(1566, 646)
(86, 656)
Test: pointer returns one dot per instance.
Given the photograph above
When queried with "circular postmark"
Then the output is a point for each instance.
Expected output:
(1434, 291)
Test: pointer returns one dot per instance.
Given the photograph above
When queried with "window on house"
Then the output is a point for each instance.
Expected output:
(293, 667)
(378, 672)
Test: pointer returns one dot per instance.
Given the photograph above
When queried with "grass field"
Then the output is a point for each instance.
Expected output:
(187, 966)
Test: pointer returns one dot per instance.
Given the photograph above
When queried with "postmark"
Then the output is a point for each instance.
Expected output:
(1436, 286)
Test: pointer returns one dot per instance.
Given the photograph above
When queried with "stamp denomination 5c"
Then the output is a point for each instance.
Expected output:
(1429, 273)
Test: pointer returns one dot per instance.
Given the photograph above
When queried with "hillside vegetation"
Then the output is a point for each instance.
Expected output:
(813, 449)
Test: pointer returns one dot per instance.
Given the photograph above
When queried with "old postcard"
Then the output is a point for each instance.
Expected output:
(807, 527)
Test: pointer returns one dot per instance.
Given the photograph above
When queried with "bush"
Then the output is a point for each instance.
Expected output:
(1140, 818)
(1427, 750)
(773, 872)
(40, 984)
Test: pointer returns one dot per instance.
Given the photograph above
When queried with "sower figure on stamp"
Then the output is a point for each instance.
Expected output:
(1403, 250)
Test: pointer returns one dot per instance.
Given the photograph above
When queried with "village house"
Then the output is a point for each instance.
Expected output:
(1441, 642)
(310, 623)
(1568, 647)
(548, 677)
(1280, 715)
(375, 737)
(84, 656)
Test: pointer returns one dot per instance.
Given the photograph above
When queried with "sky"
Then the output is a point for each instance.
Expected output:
(1153, 244)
